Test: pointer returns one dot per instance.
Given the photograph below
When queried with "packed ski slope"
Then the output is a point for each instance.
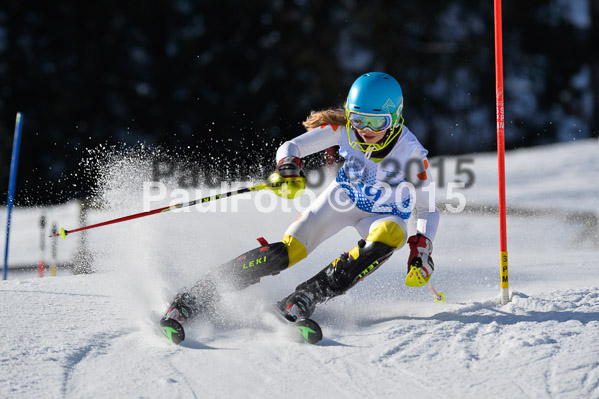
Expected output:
(95, 336)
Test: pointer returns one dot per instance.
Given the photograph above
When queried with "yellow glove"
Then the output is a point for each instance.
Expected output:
(288, 181)
(286, 187)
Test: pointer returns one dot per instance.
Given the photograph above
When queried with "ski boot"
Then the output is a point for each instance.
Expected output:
(297, 306)
(295, 311)
(335, 279)
(201, 300)
(184, 306)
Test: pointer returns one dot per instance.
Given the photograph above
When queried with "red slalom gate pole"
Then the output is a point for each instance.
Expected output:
(505, 294)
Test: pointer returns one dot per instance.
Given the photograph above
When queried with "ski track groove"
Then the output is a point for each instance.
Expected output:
(398, 357)
(407, 337)
(590, 380)
(593, 381)
(349, 390)
(99, 345)
(182, 376)
(525, 390)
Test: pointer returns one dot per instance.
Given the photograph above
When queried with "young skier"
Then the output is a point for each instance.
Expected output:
(385, 175)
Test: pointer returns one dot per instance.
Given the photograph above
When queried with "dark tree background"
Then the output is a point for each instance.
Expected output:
(183, 73)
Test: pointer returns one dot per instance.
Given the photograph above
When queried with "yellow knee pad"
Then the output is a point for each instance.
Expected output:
(386, 232)
(389, 233)
(295, 250)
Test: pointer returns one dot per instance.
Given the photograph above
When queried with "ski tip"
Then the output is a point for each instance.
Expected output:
(172, 330)
(309, 330)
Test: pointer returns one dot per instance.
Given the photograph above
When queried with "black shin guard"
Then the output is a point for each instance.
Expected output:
(239, 273)
(250, 267)
(345, 272)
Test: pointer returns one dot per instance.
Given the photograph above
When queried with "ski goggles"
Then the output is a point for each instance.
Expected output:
(374, 122)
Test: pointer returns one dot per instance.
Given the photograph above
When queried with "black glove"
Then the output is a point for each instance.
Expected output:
(290, 167)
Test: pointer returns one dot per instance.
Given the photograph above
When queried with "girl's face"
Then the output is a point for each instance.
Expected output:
(371, 137)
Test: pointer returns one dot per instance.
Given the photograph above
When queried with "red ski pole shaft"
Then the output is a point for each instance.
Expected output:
(63, 233)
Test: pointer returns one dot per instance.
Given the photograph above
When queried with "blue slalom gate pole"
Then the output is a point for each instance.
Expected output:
(12, 183)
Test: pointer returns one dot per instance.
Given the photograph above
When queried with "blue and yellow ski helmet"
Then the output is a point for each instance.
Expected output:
(375, 102)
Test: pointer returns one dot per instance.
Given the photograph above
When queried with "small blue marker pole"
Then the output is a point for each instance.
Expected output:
(12, 183)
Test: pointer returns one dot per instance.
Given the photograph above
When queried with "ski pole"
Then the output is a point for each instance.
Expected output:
(276, 184)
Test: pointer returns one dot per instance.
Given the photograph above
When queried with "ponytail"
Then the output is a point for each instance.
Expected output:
(331, 116)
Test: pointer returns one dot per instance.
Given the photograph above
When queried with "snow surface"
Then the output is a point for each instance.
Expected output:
(91, 336)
